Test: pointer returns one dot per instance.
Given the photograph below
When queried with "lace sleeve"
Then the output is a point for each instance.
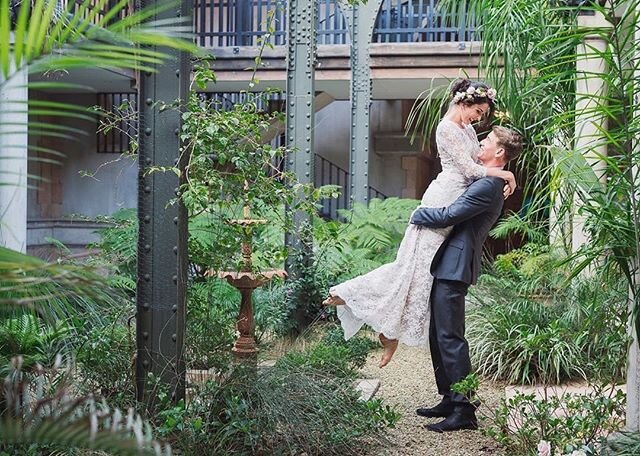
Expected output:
(454, 150)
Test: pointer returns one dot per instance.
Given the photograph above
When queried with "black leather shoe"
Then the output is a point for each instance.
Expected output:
(442, 410)
(460, 418)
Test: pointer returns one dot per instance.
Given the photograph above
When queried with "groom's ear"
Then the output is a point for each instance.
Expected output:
(501, 153)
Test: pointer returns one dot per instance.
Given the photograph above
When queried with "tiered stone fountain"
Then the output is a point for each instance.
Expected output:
(246, 281)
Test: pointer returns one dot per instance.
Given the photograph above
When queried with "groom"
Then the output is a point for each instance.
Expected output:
(456, 266)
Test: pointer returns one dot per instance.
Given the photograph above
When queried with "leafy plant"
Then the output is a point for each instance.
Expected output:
(532, 270)
(369, 238)
(118, 244)
(25, 335)
(37, 414)
(569, 422)
(212, 310)
(562, 423)
(279, 410)
(624, 444)
(270, 309)
(105, 356)
(579, 333)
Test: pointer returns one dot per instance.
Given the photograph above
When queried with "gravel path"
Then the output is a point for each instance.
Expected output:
(408, 382)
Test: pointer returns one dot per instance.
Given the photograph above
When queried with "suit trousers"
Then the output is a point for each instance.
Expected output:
(449, 348)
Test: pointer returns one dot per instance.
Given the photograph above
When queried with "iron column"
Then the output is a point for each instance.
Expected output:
(162, 241)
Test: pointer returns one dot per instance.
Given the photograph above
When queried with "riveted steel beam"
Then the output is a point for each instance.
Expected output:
(162, 241)
(301, 61)
(361, 20)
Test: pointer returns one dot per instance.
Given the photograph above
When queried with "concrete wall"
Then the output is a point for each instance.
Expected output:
(61, 192)
(332, 141)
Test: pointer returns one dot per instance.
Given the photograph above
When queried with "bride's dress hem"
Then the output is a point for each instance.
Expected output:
(361, 321)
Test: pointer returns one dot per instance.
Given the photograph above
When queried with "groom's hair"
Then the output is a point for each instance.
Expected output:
(510, 140)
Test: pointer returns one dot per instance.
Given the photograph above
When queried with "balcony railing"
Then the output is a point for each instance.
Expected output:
(403, 21)
(75, 7)
(117, 127)
(234, 23)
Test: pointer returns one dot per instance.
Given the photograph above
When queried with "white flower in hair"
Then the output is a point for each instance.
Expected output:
(492, 93)
(459, 96)
(471, 90)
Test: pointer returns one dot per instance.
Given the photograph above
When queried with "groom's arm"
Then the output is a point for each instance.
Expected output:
(479, 197)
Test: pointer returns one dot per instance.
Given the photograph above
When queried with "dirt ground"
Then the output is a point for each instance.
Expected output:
(408, 383)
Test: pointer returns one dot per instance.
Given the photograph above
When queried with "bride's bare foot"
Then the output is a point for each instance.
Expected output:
(390, 346)
(333, 301)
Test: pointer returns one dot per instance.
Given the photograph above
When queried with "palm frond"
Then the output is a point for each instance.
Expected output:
(53, 290)
(35, 411)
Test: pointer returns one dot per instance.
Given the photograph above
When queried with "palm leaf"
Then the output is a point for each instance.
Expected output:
(29, 415)
(55, 291)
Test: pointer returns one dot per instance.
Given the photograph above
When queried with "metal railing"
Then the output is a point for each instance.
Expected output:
(235, 23)
(375, 193)
(421, 21)
(118, 127)
(74, 7)
(328, 173)
(220, 23)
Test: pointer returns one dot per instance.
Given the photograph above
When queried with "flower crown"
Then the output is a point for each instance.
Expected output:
(475, 92)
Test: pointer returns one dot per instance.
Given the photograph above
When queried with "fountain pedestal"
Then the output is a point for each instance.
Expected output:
(246, 282)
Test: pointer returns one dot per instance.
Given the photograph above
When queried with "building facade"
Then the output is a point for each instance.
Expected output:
(410, 46)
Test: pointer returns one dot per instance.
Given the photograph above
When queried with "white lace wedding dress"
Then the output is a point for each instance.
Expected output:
(394, 298)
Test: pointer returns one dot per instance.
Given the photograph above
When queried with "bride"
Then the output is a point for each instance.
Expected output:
(394, 298)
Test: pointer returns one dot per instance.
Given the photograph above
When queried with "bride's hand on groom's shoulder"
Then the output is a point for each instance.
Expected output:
(510, 183)
(506, 191)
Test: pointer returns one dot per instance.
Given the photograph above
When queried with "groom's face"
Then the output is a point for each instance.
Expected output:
(490, 150)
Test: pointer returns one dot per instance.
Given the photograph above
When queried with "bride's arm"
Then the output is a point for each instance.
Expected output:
(506, 176)
(453, 146)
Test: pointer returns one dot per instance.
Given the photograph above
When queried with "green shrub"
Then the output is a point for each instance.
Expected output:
(332, 360)
(306, 403)
(212, 311)
(270, 309)
(333, 355)
(534, 269)
(369, 238)
(305, 292)
(578, 333)
(523, 342)
(282, 410)
(118, 249)
(358, 346)
(624, 444)
(106, 358)
(570, 422)
(27, 336)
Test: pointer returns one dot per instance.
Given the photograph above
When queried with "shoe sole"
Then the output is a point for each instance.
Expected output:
(470, 427)
(433, 415)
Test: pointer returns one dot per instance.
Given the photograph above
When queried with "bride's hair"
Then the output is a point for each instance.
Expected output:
(467, 92)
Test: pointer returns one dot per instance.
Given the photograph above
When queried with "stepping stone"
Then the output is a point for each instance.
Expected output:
(367, 387)
(267, 363)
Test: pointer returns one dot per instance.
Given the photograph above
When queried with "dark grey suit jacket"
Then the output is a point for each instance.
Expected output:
(472, 214)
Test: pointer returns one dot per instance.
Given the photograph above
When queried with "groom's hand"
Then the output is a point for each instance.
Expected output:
(412, 219)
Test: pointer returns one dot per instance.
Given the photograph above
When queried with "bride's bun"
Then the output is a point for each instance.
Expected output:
(461, 85)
